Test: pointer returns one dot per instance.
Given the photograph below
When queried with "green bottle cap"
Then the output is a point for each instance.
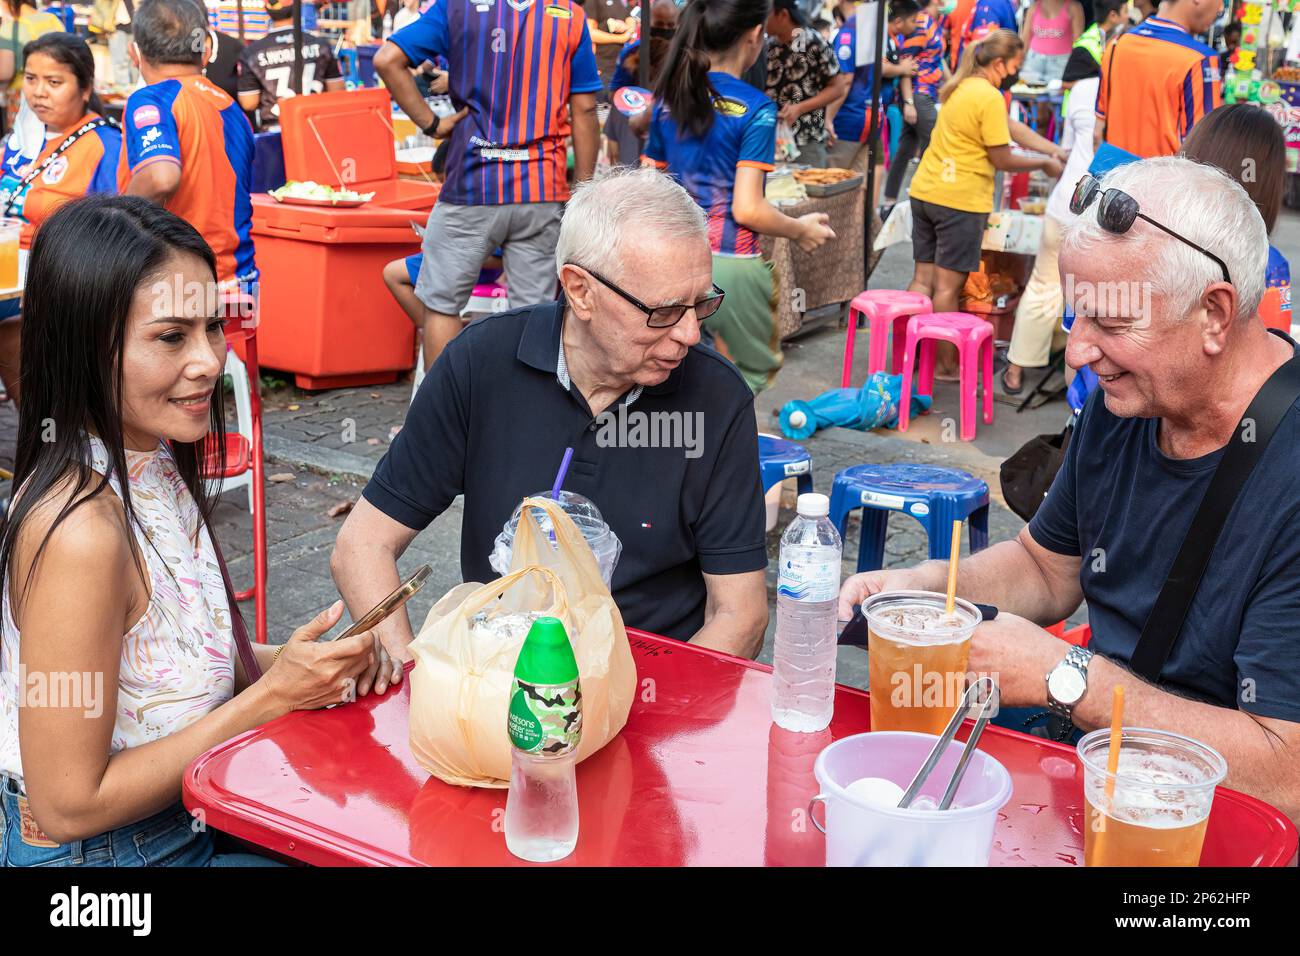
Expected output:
(547, 656)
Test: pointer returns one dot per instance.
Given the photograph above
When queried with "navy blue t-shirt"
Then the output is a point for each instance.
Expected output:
(1125, 507)
(491, 421)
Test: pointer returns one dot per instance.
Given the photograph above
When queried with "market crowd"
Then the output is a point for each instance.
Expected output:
(645, 288)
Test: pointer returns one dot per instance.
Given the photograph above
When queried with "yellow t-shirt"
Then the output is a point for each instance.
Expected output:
(955, 170)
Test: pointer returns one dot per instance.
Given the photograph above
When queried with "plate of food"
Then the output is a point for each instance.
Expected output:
(828, 182)
(295, 193)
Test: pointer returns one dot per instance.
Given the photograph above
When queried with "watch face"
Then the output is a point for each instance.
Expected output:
(1066, 685)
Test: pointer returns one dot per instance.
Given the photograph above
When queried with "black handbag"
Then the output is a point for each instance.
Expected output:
(1028, 473)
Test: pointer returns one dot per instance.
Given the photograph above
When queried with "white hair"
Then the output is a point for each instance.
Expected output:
(612, 214)
(1197, 201)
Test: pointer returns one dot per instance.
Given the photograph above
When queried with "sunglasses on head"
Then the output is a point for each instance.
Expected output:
(1117, 212)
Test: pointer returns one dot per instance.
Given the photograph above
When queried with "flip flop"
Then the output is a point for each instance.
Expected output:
(1007, 388)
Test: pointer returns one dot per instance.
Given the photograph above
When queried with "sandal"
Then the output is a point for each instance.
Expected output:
(1007, 388)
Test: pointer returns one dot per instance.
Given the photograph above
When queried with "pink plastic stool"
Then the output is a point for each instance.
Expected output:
(885, 309)
(973, 337)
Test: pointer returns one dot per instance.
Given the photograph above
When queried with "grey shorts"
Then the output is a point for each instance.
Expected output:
(949, 238)
(458, 239)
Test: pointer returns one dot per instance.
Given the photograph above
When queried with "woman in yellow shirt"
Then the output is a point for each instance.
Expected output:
(952, 191)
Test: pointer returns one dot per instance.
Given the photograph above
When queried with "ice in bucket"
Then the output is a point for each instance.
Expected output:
(602, 539)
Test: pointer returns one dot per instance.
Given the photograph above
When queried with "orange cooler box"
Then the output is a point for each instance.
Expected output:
(326, 314)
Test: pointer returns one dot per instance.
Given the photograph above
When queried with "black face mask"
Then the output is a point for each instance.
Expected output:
(1009, 81)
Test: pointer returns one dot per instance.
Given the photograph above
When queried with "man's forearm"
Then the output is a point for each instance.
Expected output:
(365, 575)
(1004, 575)
(401, 86)
(732, 633)
(586, 140)
(1259, 762)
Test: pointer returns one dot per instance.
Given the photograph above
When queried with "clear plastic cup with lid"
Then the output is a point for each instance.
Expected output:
(600, 537)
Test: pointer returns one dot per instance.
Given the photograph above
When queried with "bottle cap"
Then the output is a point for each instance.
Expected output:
(814, 506)
(547, 656)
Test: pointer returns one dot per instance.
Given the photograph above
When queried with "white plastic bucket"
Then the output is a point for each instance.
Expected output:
(859, 833)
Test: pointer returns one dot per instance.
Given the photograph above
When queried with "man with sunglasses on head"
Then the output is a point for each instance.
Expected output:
(663, 429)
(1176, 513)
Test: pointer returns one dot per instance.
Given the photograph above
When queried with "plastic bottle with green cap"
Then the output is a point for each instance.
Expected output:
(544, 722)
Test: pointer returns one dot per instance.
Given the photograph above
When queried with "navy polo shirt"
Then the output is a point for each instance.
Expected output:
(492, 419)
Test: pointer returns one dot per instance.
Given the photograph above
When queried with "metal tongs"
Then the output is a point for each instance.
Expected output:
(984, 692)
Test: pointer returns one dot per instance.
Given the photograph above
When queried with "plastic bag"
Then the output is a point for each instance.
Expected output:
(466, 651)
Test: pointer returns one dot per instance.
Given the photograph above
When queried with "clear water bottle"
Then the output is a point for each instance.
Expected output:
(545, 726)
(808, 587)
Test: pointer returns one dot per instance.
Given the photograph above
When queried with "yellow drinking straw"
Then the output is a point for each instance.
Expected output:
(952, 566)
(1112, 762)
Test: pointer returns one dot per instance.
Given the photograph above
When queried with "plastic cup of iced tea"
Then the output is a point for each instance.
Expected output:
(1154, 809)
(916, 658)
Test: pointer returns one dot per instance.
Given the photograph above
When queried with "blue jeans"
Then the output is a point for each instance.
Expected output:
(164, 839)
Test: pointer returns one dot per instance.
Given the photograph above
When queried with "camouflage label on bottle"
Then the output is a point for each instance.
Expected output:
(545, 718)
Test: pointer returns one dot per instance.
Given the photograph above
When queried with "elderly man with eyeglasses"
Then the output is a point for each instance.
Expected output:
(663, 429)
(1176, 513)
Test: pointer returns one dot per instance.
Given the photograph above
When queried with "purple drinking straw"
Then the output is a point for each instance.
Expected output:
(564, 469)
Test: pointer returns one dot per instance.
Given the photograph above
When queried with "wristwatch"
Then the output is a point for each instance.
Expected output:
(1067, 682)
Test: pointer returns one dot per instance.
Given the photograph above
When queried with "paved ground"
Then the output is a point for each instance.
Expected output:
(323, 446)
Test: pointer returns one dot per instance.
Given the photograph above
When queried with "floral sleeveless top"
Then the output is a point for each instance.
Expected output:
(178, 660)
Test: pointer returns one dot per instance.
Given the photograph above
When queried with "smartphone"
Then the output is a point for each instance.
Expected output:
(405, 591)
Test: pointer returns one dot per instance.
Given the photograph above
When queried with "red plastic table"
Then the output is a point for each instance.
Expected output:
(699, 775)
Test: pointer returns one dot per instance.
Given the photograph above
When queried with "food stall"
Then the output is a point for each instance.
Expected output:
(831, 274)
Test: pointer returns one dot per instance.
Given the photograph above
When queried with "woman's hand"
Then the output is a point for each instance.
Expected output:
(814, 229)
(790, 112)
(909, 114)
(1052, 167)
(308, 675)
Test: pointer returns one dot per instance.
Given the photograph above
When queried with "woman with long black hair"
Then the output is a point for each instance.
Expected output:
(111, 574)
(717, 135)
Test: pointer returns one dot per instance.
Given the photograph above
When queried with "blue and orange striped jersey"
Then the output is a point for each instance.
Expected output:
(223, 15)
(514, 65)
(1156, 81)
(851, 119)
(87, 166)
(926, 44)
(188, 121)
(743, 134)
(988, 15)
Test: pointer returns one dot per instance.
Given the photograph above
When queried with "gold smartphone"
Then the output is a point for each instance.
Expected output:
(388, 605)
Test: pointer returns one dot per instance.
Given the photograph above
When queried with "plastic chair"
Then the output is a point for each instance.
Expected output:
(936, 497)
(1079, 636)
(243, 464)
(973, 337)
(486, 297)
(779, 459)
(884, 309)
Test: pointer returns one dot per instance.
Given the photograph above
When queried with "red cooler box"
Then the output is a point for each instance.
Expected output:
(326, 314)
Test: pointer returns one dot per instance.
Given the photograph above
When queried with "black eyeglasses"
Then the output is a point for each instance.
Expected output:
(663, 316)
(1118, 211)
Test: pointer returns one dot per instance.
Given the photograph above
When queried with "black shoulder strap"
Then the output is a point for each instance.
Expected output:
(1262, 417)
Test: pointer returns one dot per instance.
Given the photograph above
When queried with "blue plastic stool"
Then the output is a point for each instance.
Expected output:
(779, 459)
(936, 497)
